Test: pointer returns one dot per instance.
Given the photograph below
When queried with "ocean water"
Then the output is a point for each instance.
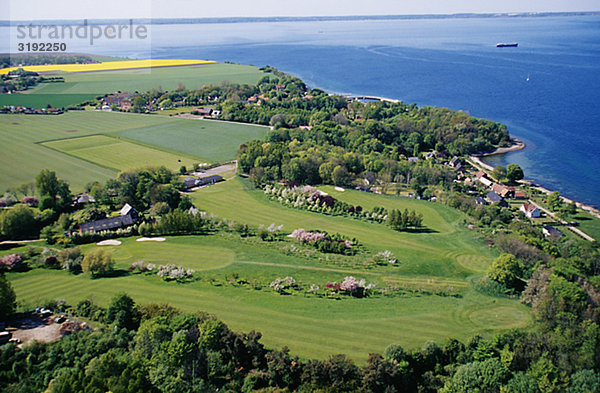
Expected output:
(547, 90)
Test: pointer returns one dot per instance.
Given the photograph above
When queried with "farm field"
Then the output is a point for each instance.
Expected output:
(107, 66)
(23, 154)
(118, 154)
(82, 86)
(209, 139)
(310, 326)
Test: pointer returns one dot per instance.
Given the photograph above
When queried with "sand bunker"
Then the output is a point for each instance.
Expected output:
(150, 239)
(109, 243)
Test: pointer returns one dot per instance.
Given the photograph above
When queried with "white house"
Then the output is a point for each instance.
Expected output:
(530, 210)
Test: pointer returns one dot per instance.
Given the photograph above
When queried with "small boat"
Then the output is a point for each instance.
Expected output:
(506, 44)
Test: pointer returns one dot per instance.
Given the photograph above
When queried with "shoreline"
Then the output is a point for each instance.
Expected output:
(516, 145)
(476, 159)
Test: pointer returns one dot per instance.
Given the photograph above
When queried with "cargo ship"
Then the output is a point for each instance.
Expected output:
(506, 45)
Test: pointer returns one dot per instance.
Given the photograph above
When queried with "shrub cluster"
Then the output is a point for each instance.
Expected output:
(309, 198)
(350, 286)
(325, 243)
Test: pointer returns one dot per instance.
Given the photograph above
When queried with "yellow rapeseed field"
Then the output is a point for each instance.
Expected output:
(108, 66)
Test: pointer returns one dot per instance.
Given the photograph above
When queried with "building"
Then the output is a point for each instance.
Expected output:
(480, 174)
(128, 216)
(128, 210)
(455, 163)
(107, 224)
(480, 201)
(203, 111)
(189, 182)
(120, 100)
(485, 181)
(530, 210)
(83, 199)
(551, 232)
(500, 189)
(492, 197)
(520, 195)
(208, 180)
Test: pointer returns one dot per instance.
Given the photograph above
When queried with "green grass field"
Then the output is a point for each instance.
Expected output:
(208, 139)
(118, 154)
(27, 139)
(448, 251)
(44, 99)
(309, 326)
(79, 87)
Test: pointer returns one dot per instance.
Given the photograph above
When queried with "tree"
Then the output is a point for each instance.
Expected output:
(55, 193)
(98, 263)
(18, 223)
(499, 173)
(7, 298)
(340, 176)
(514, 172)
(554, 201)
(506, 270)
(478, 377)
(159, 209)
(381, 375)
(122, 312)
(584, 381)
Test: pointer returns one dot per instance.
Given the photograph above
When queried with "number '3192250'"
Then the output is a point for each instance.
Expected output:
(42, 46)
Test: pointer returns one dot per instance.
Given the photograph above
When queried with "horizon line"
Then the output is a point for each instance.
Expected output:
(224, 19)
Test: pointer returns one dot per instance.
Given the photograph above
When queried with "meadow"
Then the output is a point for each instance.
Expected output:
(82, 86)
(27, 139)
(310, 326)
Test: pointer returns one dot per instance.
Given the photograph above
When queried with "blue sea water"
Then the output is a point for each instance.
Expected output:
(547, 90)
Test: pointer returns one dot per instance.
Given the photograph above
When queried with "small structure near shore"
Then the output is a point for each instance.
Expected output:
(530, 210)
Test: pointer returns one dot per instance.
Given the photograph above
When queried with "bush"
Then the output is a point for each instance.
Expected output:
(11, 262)
(98, 263)
(70, 259)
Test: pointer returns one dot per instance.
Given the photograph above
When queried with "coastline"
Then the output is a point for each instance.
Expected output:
(516, 144)
(520, 145)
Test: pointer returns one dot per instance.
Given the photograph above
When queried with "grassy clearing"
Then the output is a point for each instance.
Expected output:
(310, 326)
(23, 156)
(588, 224)
(209, 139)
(117, 154)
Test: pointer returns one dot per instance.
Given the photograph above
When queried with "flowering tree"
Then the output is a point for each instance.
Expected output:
(171, 272)
(280, 285)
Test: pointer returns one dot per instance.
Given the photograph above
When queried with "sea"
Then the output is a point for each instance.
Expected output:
(546, 90)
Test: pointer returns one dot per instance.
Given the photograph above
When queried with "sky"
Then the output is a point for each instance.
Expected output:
(102, 9)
